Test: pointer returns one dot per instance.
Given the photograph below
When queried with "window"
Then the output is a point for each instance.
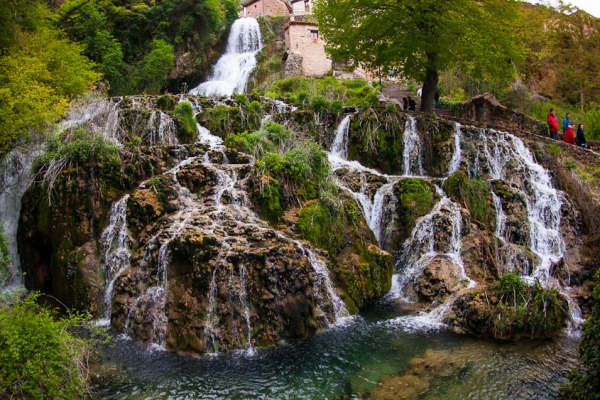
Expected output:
(314, 35)
(306, 5)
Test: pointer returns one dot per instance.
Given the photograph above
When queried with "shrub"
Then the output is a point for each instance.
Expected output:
(319, 104)
(416, 198)
(522, 308)
(39, 355)
(184, 115)
(585, 383)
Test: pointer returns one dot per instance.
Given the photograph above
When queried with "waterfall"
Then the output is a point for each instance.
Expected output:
(456, 156)
(232, 71)
(162, 128)
(425, 244)
(322, 279)
(543, 200)
(114, 245)
(384, 205)
(339, 147)
(412, 149)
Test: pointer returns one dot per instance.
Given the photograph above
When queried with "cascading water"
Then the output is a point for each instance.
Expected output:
(457, 155)
(232, 71)
(412, 149)
(162, 129)
(543, 201)
(114, 244)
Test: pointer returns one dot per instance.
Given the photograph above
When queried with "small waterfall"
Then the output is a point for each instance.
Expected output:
(162, 128)
(422, 247)
(243, 297)
(383, 211)
(339, 147)
(456, 156)
(232, 71)
(412, 149)
(500, 218)
(322, 279)
(114, 245)
(544, 212)
(99, 116)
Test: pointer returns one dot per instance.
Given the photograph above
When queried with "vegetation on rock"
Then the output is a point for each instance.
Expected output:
(585, 382)
(473, 194)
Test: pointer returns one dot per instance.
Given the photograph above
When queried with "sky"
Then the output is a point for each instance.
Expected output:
(591, 6)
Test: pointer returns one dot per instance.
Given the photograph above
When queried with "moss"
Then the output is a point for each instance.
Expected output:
(322, 226)
(473, 194)
(416, 197)
(269, 201)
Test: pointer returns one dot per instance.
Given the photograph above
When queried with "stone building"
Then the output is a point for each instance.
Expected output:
(270, 8)
(305, 50)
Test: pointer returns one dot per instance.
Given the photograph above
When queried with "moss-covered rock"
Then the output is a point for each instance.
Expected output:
(475, 195)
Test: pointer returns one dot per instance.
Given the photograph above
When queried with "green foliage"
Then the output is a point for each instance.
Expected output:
(323, 94)
(123, 37)
(585, 383)
(157, 64)
(37, 80)
(475, 195)
(5, 259)
(526, 309)
(416, 198)
(241, 99)
(269, 200)
(82, 146)
(417, 40)
(570, 164)
(20, 16)
(453, 106)
(165, 102)
(323, 226)
(39, 356)
(184, 115)
(75, 149)
(554, 149)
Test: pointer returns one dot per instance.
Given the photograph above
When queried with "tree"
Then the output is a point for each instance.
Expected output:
(37, 80)
(575, 42)
(157, 65)
(418, 39)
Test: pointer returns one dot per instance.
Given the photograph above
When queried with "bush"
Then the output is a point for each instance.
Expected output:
(184, 115)
(319, 104)
(39, 356)
(585, 383)
(526, 309)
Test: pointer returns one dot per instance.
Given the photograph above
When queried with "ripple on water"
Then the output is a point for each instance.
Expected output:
(344, 360)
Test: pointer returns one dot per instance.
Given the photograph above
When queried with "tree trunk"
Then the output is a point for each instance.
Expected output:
(430, 84)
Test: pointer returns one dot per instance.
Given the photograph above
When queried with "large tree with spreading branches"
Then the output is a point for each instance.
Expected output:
(419, 38)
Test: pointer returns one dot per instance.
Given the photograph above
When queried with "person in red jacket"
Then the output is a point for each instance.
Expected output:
(552, 124)
(569, 135)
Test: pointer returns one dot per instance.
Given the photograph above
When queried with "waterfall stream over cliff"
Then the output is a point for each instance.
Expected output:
(232, 71)
(194, 246)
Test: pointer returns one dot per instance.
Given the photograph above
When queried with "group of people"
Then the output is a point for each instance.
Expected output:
(569, 135)
(409, 104)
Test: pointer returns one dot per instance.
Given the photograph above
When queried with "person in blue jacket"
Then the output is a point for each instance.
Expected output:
(566, 122)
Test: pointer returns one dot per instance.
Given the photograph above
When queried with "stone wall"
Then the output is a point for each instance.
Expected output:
(293, 65)
(270, 8)
(303, 38)
(486, 109)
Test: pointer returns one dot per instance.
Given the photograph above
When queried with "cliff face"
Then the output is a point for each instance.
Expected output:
(197, 248)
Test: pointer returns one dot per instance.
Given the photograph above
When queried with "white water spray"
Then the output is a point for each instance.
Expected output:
(232, 71)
